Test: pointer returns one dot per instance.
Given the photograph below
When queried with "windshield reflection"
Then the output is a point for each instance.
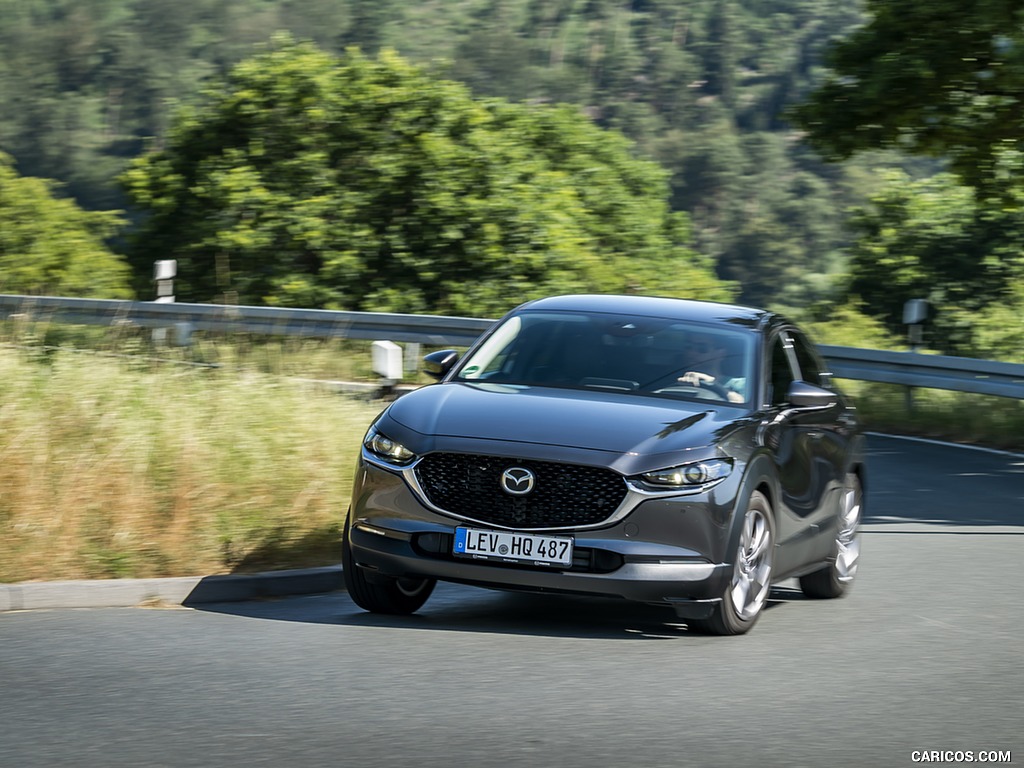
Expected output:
(655, 357)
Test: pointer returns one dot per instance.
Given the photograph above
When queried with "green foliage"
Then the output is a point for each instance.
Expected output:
(700, 86)
(938, 79)
(931, 239)
(934, 77)
(49, 246)
(960, 417)
(85, 84)
(312, 180)
(777, 232)
(848, 325)
(998, 329)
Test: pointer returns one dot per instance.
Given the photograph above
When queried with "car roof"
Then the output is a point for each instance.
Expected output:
(651, 306)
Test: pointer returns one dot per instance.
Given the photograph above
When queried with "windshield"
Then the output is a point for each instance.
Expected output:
(645, 355)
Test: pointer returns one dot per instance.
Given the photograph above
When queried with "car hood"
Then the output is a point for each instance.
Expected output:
(616, 423)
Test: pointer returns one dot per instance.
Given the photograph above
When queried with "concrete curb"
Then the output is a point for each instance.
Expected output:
(186, 590)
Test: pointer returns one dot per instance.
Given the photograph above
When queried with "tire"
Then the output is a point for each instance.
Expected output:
(746, 594)
(835, 579)
(382, 594)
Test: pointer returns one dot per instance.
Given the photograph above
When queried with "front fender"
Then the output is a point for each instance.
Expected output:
(758, 474)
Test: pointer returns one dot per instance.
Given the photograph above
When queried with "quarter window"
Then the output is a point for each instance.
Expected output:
(811, 369)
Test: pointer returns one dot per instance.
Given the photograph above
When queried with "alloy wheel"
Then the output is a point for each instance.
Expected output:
(848, 539)
(751, 581)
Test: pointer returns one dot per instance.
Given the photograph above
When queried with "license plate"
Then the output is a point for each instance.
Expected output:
(512, 547)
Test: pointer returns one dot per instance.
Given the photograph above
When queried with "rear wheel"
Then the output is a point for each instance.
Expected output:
(836, 578)
(747, 591)
(379, 593)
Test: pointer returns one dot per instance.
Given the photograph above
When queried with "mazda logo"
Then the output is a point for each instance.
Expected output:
(517, 480)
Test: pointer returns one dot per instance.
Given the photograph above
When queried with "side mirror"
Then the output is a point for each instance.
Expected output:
(804, 395)
(437, 364)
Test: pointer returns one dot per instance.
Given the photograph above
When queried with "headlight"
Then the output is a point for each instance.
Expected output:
(699, 473)
(385, 448)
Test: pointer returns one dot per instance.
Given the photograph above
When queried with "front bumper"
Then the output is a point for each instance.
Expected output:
(666, 550)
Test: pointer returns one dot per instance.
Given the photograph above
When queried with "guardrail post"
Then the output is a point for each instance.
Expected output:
(915, 312)
(386, 358)
(164, 272)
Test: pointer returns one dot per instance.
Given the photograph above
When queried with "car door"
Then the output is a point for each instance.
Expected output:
(804, 463)
(828, 443)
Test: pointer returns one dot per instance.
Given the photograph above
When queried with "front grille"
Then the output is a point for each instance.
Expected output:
(563, 496)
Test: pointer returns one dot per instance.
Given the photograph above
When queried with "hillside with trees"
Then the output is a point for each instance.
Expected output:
(710, 90)
(353, 183)
(89, 84)
(939, 79)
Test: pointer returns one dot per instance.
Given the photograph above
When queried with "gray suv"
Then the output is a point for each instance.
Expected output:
(679, 453)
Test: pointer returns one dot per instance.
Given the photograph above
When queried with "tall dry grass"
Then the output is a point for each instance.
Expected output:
(112, 468)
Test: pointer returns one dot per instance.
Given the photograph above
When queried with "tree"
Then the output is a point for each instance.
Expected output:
(941, 78)
(49, 246)
(720, 56)
(345, 182)
(998, 333)
(369, 18)
(931, 239)
(86, 85)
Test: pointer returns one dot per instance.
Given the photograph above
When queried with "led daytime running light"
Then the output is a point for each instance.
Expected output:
(689, 475)
(384, 447)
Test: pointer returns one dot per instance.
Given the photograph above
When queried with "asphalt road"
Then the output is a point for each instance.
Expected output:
(925, 654)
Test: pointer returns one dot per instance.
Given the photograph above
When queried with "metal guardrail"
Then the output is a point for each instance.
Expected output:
(271, 321)
(906, 368)
(911, 369)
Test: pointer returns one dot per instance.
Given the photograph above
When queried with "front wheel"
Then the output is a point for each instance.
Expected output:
(379, 593)
(835, 579)
(747, 591)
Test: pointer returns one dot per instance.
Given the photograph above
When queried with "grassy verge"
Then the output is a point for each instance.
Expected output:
(959, 417)
(116, 468)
